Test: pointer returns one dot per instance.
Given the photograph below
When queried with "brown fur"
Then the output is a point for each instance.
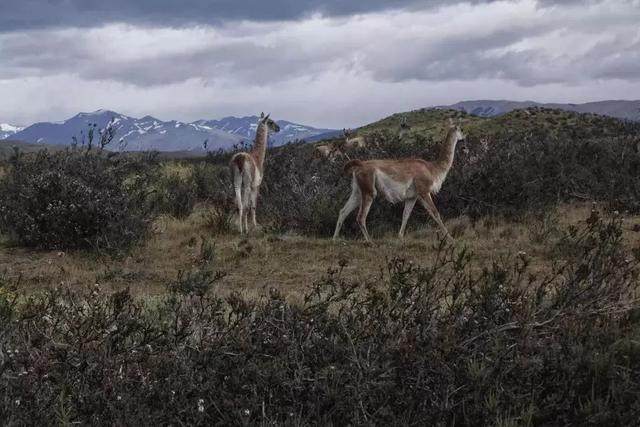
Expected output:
(351, 165)
(352, 140)
(407, 180)
(327, 151)
(420, 170)
(248, 170)
(238, 161)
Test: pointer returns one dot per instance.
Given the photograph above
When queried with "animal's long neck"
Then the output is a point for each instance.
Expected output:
(448, 150)
(259, 149)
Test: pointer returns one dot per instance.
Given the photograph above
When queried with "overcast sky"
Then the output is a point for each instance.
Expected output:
(330, 63)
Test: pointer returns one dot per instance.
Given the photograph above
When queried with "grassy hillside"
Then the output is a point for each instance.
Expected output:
(430, 123)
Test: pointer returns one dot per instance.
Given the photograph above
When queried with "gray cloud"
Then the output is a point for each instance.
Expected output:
(398, 47)
(384, 58)
(33, 14)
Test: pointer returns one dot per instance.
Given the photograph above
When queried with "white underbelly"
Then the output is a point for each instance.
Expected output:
(394, 191)
(437, 182)
(257, 179)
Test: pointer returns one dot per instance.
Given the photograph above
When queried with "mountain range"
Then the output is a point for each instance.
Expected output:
(626, 110)
(150, 133)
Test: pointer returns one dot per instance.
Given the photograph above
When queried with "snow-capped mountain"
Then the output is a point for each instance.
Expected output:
(7, 130)
(150, 133)
(626, 110)
(147, 133)
(245, 127)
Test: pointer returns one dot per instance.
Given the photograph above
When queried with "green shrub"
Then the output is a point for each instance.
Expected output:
(434, 344)
(75, 199)
(520, 175)
(175, 195)
(208, 179)
(219, 218)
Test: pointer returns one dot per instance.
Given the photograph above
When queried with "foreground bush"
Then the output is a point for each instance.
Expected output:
(437, 344)
(533, 172)
(75, 199)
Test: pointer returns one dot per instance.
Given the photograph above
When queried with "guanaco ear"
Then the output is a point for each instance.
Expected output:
(262, 115)
(450, 122)
(267, 116)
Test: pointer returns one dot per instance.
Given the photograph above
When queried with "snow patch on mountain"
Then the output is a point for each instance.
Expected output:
(150, 133)
(246, 127)
(7, 130)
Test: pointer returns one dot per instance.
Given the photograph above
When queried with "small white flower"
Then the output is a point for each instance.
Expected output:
(119, 397)
(246, 412)
(200, 405)
(17, 402)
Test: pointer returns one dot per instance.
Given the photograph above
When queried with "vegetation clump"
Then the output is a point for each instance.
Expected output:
(438, 344)
(175, 195)
(75, 199)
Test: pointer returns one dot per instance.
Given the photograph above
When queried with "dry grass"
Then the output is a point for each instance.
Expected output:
(173, 168)
(286, 262)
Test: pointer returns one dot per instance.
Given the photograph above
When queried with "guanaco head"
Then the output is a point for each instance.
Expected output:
(404, 125)
(404, 128)
(348, 133)
(456, 127)
(271, 125)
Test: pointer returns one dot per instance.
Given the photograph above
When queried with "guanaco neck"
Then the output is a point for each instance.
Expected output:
(448, 150)
(259, 149)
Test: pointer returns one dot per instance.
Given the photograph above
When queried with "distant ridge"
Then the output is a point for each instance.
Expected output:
(620, 109)
(150, 133)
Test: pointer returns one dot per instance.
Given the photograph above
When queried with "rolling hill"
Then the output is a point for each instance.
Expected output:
(627, 110)
(431, 122)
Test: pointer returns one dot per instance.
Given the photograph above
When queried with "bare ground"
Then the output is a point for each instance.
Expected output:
(286, 262)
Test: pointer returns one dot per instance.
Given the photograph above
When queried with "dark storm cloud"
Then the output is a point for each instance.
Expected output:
(613, 60)
(303, 55)
(41, 54)
(375, 46)
(31, 14)
(462, 56)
